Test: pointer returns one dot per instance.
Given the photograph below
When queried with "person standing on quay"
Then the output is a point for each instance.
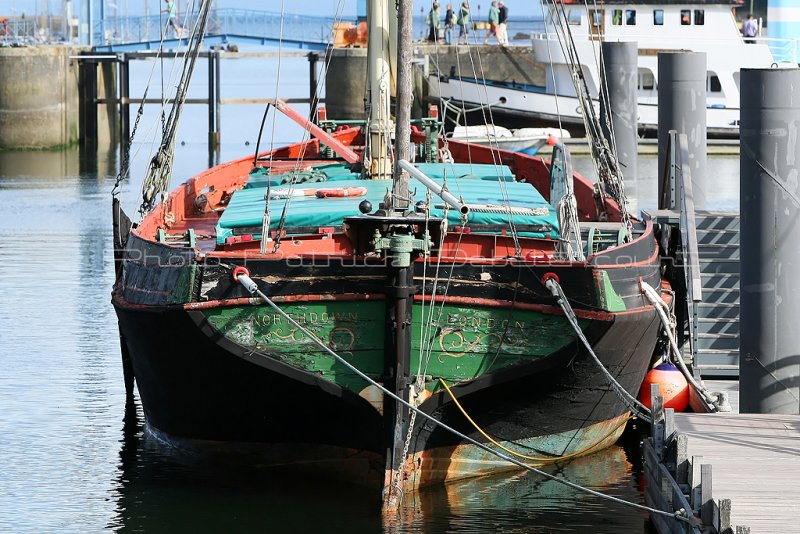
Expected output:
(463, 23)
(502, 23)
(494, 19)
(450, 21)
(434, 22)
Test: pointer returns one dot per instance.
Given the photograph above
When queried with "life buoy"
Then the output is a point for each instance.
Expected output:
(337, 192)
(342, 192)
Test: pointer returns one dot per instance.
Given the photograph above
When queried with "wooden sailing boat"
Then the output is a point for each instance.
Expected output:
(439, 292)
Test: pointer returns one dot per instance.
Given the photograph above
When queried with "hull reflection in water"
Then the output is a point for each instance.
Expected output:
(506, 501)
(162, 487)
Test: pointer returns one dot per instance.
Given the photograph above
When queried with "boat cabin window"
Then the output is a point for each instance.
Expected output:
(699, 17)
(574, 17)
(616, 17)
(658, 17)
(647, 82)
(597, 19)
(686, 17)
(712, 83)
(630, 17)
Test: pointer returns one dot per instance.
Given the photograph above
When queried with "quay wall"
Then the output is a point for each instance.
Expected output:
(345, 85)
(38, 97)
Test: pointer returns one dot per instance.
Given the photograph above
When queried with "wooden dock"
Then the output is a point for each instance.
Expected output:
(738, 472)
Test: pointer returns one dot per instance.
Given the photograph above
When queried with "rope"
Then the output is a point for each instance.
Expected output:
(661, 306)
(548, 459)
(639, 409)
(252, 288)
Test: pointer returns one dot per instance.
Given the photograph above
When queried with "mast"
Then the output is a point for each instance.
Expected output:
(379, 87)
(403, 112)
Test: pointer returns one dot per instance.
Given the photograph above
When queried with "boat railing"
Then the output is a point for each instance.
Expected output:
(784, 50)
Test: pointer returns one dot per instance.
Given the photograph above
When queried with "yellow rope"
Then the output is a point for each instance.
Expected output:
(549, 459)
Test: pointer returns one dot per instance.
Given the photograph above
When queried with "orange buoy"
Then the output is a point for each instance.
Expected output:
(671, 385)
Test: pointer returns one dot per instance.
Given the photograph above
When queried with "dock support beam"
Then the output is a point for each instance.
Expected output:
(682, 107)
(619, 114)
(770, 241)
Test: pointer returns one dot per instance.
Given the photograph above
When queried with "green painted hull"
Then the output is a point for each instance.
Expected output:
(465, 343)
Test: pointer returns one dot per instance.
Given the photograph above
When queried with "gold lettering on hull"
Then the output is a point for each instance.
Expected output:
(308, 319)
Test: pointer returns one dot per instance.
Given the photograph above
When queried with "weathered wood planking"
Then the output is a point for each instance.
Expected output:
(756, 462)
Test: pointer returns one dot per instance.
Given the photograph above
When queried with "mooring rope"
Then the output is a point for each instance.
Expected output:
(639, 409)
(661, 306)
(241, 275)
(543, 459)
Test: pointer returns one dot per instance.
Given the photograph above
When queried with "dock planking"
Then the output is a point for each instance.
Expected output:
(755, 459)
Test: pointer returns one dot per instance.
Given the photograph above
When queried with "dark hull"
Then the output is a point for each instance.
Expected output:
(197, 387)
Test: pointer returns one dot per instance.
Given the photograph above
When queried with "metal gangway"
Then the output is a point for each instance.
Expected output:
(243, 26)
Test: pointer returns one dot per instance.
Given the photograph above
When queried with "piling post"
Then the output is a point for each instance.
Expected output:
(124, 100)
(313, 80)
(619, 114)
(682, 107)
(212, 97)
(88, 104)
(217, 95)
(770, 233)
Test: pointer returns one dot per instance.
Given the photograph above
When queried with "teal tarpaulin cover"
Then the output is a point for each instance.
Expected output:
(475, 184)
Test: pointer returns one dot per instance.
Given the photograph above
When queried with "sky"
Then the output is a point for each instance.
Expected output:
(310, 7)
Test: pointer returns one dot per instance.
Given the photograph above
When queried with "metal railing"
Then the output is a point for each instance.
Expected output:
(784, 50)
(231, 22)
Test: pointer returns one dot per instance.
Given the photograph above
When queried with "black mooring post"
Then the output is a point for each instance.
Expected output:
(124, 100)
(217, 99)
(88, 104)
(313, 57)
(212, 126)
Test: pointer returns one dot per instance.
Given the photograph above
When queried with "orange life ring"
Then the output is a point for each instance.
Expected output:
(342, 192)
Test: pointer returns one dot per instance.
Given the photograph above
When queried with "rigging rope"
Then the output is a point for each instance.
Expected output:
(604, 157)
(251, 287)
(160, 168)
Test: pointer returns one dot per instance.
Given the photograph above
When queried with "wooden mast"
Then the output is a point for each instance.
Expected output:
(403, 111)
(379, 88)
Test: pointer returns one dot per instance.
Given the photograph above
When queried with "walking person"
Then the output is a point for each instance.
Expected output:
(502, 23)
(463, 22)
(494, 20)
(749, 29)
(434, 22)
(172, 18)
(450, 22)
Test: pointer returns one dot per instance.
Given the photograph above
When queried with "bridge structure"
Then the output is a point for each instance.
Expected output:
(241, 26)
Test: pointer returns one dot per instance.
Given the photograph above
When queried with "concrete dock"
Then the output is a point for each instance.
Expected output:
(738, 472)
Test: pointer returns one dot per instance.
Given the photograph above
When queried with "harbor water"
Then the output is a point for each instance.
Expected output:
(75, 458)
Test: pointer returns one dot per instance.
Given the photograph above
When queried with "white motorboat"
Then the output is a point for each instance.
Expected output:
(667, 26)
(525, 140)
